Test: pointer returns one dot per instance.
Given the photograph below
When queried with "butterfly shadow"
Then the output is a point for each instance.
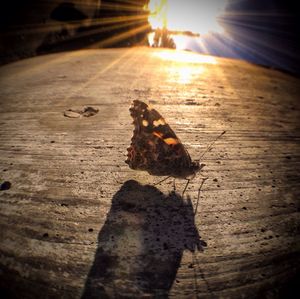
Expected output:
(141, 244)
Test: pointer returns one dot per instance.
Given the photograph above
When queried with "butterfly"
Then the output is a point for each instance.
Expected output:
(155, 147)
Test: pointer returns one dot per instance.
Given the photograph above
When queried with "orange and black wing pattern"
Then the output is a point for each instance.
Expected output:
(154, 145)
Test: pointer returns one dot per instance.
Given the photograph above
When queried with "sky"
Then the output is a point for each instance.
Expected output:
(264, 32)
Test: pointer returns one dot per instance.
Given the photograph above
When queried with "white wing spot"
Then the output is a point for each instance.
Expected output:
(161, 121)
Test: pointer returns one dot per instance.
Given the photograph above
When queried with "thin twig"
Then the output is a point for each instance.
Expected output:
(203, 180)
(162, 180)
(188, 181)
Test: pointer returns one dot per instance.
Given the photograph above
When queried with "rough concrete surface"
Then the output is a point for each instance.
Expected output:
(77, 222)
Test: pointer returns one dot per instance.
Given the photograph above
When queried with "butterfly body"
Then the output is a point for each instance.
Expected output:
(155, 147)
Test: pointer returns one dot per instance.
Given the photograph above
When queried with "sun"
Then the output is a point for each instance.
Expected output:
(197, 16)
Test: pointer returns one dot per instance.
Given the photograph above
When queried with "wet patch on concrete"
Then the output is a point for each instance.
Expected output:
(77, 112)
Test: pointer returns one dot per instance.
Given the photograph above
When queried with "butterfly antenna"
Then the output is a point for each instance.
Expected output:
(211, 145)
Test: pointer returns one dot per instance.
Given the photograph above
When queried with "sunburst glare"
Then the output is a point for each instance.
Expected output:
(182, 68)
(198, 16)
(185, 57)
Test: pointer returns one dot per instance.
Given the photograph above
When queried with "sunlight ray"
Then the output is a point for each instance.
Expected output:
(79, 88)
(259, 40)
(97, 31)
(254, 46)
(40, 28)
(121, 36)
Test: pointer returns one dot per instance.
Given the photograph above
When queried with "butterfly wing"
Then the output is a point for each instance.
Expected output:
(154, 145)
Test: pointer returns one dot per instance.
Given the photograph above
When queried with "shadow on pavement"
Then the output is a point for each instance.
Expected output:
(141, 244)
